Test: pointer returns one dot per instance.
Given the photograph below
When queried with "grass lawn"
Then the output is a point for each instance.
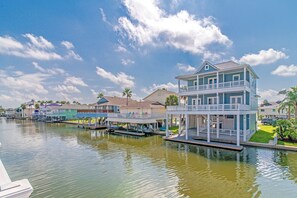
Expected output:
(286, 143)
(174, 129)
(264, 134)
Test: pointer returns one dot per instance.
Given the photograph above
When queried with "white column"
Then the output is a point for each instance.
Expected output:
(244, 75)
(244, 127)
(238, 130)
(244, 97)
(218, 124)
(167, 131)
(180, 122)
(197, 82)
(208, 128)
(198, 127)
(178, 82)
(217, 80)
(187, 125)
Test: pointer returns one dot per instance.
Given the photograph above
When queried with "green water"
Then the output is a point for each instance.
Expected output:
(63, 161)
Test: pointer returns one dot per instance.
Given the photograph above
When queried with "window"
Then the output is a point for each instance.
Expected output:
(206, 67)
(230, 117)
(195, 82)
(236, 77)
(262, 110)
(212, 100)
(236, 99)
(273, 110)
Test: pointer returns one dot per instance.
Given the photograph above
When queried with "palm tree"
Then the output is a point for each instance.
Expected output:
(291, 101)
(286, 105)
(171, 100)
(23, 107)
(100, 95)
(36, 106)
(128, 93)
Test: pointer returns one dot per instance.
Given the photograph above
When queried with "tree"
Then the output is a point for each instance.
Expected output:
(128, 93)
(23, 107)
(100, 95)
(171, 100)
(291, 101)
(36, 106)
(265, 102)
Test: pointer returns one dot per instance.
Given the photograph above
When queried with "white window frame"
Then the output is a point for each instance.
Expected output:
(194, 99)
(206, 67)
(236, 75)
(195, 83)
(213, 80)
(199, 101)
(236, 99)
(213, 99)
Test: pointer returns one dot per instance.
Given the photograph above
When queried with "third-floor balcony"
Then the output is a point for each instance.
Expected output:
(208, 108)
(215, 86)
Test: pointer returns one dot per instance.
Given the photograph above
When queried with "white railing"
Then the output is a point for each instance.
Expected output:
(135, 116)
(215, 107)
(221, 85)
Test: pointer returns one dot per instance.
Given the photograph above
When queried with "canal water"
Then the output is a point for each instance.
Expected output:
(62, 161)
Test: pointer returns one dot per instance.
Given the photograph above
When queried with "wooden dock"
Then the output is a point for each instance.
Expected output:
(205, 143)
(127, 133)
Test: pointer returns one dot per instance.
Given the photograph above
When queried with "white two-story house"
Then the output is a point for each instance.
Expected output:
(221, 103)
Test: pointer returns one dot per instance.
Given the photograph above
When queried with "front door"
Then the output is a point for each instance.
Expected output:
(212, 100)
(212, 82)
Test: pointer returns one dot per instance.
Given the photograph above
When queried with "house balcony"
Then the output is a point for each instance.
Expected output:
(210, 88)
(205, 109)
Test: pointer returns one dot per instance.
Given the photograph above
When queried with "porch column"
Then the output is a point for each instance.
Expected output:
(208, 128)
(218, 128)
(198, 127)
(178, 82)
(244, 127)
(238, 129)
(197, 88)
(180, 123)
(217, 80)
(187, 125)
(244, 76)
(167, 131)
(244, 97)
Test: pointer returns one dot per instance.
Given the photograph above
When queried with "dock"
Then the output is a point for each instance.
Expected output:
(220, 145)
(127, 133)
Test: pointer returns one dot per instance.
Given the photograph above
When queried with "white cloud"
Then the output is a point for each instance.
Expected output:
(286, 71)
(185, 68)
(39, 42)
(120, 49)
(72, 80)
(270, 94)
(150, 25)
(263, 57)
(127, 61)
(94, 93)
(26, 82)
(66, 89)
(121, 79)
(111, 93)
(72, 54)
(51, 71)
(103, 16)
(67, 44)
(169, 86)
(37, 48)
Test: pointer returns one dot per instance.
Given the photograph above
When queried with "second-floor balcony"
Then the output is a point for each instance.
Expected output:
(221, 85)
(214, 107)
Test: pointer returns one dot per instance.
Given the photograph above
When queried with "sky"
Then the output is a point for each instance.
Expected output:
(72, 50)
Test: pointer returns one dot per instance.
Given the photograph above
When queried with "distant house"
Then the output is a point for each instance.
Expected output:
(159, 95)
(270, 110)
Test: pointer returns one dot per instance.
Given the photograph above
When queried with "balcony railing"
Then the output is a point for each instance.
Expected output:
(135, 116)
(221, 85)
(215, 107)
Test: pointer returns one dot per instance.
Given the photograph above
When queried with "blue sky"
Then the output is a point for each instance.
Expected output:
(71, 50)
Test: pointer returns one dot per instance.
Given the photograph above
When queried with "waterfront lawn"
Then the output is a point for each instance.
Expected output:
(264, 134)
(279, 142)
(174, 129)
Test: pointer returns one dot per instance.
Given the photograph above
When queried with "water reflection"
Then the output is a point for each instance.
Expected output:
(63, 161)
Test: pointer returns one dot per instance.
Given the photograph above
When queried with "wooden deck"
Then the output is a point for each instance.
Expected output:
(204, 143)
(127, 133)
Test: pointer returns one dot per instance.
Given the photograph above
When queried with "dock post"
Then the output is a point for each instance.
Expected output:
(244, 127)
(198, 125)
(167, 131)
(238, 130)
(208, 128)
(187, 125)
(218, 126)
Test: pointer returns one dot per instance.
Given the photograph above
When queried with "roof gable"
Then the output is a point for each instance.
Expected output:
(206, 67)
